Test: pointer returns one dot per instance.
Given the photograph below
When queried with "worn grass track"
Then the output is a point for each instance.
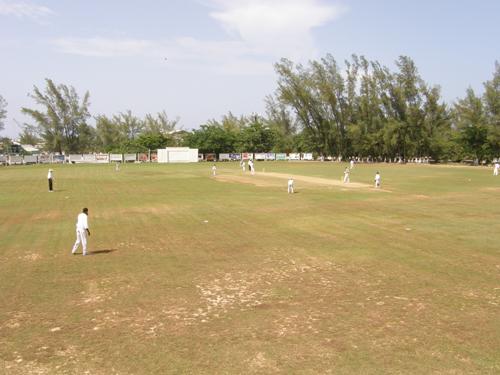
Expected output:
(194, 274)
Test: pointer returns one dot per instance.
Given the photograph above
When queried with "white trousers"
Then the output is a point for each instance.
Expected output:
(495, 172)
(290, 189)
(81, 238)
(346, 179)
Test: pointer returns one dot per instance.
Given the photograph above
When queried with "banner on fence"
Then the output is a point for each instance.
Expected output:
(260, 156)
(59, 159)
(115, 157)
(307, 156)
(15, 159)
(280, 157)
(235, 157)
(224, 157)
(30, 159)
(129, 157)
(88, 158)
(210, 157)
(75, 158)
(293, 156)
(101, 158)
(270, 156)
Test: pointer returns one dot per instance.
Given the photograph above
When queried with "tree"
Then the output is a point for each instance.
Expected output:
(3, 112)
(63, 119)
(436, 131)
(5, 145)
(28, 135)
(470, 121)
(257, 136)
(307, 91)
(151, 141)
(129, 126)
(160, 124)
(491, 100)
(107, 134)
(211, 138)
(280, 119)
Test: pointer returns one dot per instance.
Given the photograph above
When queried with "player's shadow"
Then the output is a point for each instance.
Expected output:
(103, 251)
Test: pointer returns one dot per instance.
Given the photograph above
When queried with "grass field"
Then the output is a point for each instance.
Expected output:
(231, 275)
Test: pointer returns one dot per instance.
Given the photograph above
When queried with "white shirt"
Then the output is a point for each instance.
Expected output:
(290, 182)
(49, 175)
(81, 223)
(377, 177)
(497, 166)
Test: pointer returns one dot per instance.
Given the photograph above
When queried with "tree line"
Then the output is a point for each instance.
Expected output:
(363, 109)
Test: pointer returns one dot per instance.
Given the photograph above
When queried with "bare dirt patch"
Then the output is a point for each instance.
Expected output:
(31, 257)
(46, 215)
(420, 196)
(252, 180)
(495, 189)
(318, 180)
(267, 179)
(155, 210)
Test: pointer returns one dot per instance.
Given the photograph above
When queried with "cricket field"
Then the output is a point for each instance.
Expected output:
(193, 274)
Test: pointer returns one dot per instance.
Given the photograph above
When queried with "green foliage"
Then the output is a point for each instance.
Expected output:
(28, 136)
(471, 122)
(151, 141)
(3, 112)
(5, 145)
(212, 138)
(364, 109)
(62, 123)
(491, 101)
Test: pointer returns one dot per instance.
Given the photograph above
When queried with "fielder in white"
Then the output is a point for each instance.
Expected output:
(377, 180)
(346, 175)
(242, 165)
(495, 169)
(82, 230)
(214, 170)
(252, 169)
(290, 185)
(50, 179)
(351, 164)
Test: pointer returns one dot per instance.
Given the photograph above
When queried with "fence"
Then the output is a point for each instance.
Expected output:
(77, 158)
(152, 157)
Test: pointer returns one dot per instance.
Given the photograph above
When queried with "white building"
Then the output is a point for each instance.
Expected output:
(178, 155)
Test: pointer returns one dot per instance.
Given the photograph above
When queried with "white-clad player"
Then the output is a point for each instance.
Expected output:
(377, 180)
(290, 185)
(496, 168)
(346, 175)
(252, 168)
(82, 229)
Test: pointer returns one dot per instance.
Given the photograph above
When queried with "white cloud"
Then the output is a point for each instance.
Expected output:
(229, 57)
(24, 10)
(275, 27)
(260, 32)
(103, 47)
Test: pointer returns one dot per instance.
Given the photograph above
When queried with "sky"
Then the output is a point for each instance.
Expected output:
(199, 59)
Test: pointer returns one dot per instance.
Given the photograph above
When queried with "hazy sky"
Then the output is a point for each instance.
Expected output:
(199, 59)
